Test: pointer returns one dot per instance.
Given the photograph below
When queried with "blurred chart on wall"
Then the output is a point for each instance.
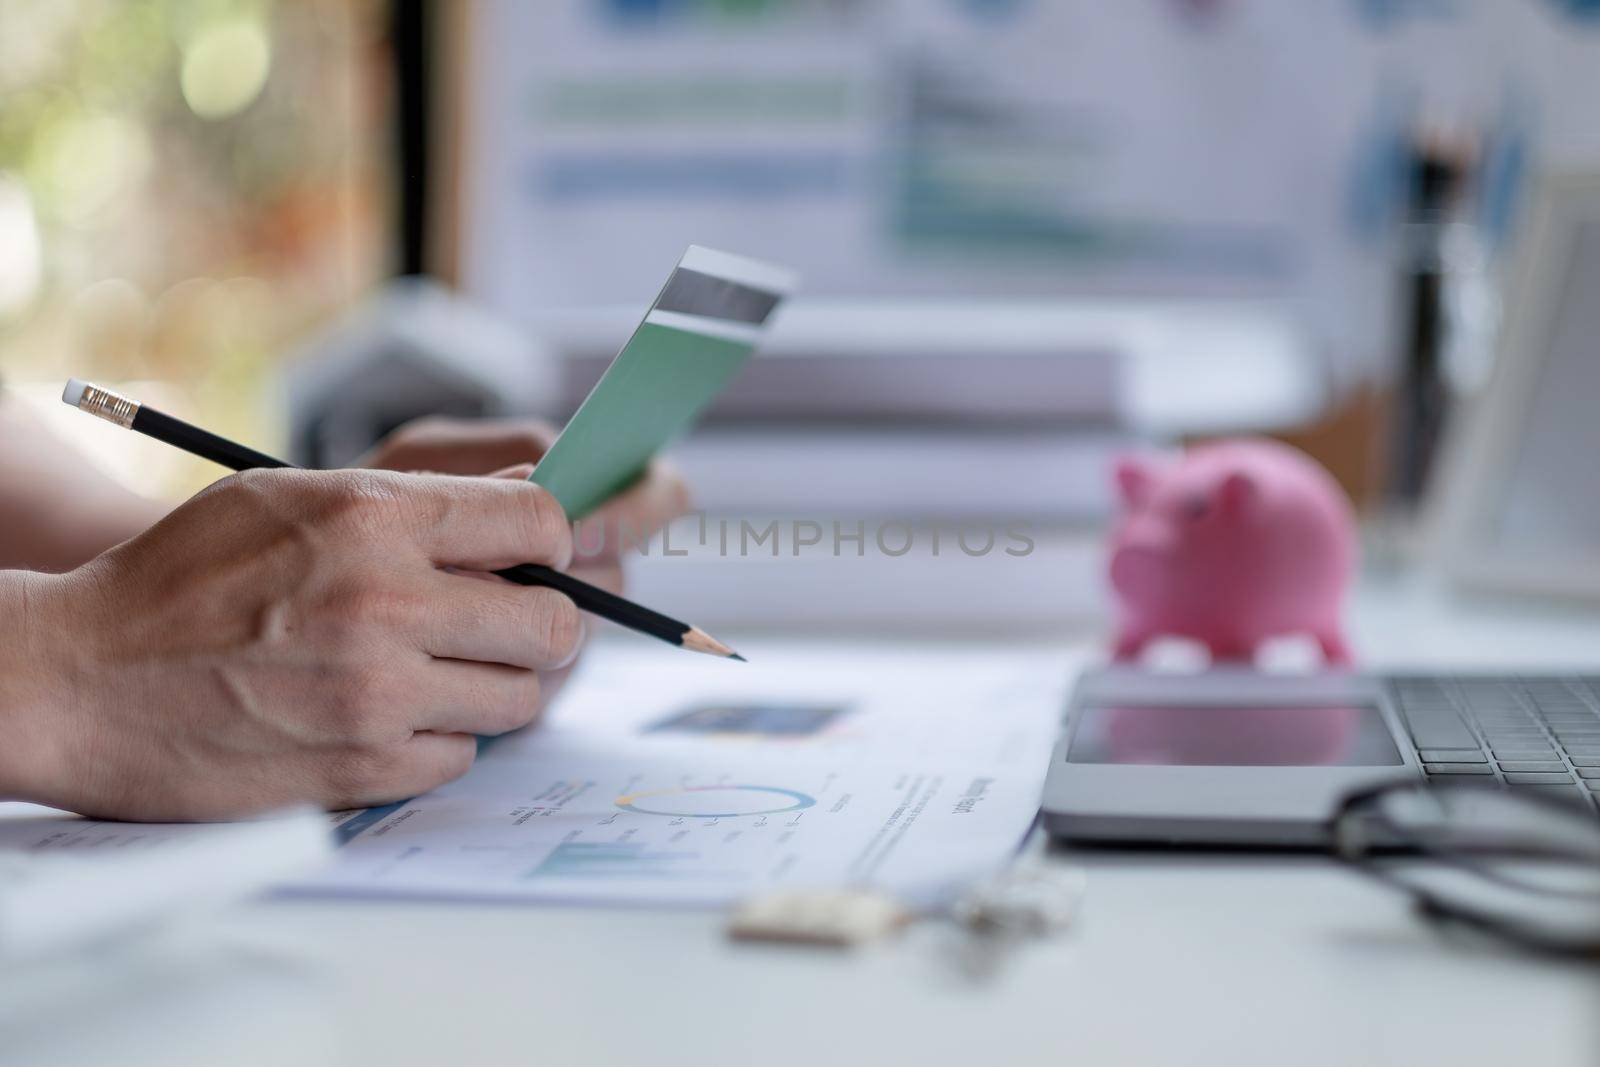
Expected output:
(971, 147)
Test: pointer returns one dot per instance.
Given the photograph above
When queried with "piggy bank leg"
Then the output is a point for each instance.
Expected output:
(1130, 643)
(1334, 649)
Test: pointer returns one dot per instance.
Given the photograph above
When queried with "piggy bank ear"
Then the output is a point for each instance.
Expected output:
(1134, 478)
(1237, 492)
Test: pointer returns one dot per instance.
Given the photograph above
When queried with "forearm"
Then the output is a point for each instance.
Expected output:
(32, 689)
(56, 510)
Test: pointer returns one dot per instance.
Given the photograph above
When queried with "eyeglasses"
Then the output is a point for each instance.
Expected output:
(1524, 868)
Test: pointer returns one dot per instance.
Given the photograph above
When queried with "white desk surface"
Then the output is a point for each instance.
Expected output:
(1176, 959)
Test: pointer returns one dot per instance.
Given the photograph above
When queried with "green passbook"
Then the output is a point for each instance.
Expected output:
(703, 325)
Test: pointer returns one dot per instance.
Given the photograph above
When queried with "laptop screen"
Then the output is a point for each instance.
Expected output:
(1352, 735)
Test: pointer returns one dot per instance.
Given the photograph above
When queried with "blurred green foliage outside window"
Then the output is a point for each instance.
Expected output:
(185, 186)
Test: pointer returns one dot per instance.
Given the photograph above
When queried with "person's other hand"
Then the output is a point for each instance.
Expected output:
(293, 636)
(510, 448)
(447, 445)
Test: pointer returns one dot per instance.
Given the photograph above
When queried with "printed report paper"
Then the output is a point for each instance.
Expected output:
(662, 782)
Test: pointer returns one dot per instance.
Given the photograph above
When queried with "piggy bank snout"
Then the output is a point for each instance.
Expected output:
(1137, 567)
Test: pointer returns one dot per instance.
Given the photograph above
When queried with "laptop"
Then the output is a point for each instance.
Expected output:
(1234, 757)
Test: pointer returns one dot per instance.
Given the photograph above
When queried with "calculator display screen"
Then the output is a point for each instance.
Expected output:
(1345, 735)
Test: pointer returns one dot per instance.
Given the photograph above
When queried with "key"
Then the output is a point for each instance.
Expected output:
(1439, 730)
(1557, 792)
(1452, 755)
(1527, 757)
(1439, 770)
(1542, 765)
(1591, 773)
(1538, 779)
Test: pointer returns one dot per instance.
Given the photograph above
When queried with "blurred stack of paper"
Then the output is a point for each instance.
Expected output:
(919, 472)
(1056, 586)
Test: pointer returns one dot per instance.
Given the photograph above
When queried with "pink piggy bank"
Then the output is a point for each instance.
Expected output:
(1233, 543)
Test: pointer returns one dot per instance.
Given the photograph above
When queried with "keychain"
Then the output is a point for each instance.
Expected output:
(1029, 902)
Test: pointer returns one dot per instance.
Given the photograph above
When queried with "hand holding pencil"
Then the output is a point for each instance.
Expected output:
(290, 636)
(285, 636)
(132, 415)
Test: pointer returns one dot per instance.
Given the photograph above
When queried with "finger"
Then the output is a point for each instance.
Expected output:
(516, 471)
(476, 698)
(500, 622)
(424, 762)
(551, 682)
(487, 523)
(634, 516)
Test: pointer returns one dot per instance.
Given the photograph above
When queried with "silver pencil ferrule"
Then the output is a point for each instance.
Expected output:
(113, 407)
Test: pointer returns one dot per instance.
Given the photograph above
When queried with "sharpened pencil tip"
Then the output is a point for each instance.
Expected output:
(697, 640)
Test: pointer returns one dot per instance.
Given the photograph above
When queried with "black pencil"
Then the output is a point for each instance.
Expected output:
(132, 415)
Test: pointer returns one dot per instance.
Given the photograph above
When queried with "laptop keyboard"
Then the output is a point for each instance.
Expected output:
(1539, 733)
